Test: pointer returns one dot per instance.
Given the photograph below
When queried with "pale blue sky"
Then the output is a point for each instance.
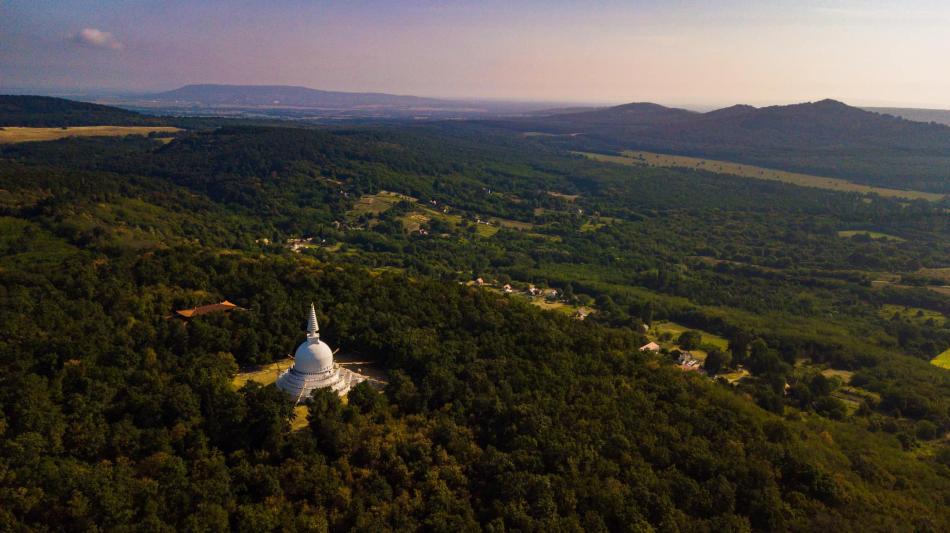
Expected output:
(685, 52)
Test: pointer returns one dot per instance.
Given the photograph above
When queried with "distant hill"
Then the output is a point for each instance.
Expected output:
(812, 125)
(290, 96)
(45, 111)
(940, 116)
(303, 103)
(826, 138)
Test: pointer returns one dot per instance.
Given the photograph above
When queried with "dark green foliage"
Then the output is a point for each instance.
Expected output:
(44, 111)
(515, 427)
(716, 360)
(689, 340)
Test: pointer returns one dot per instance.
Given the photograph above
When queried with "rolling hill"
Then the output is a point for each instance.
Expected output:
(45, 111)
(304, 103)
(940, 116)
(826, 138)
(290, 96)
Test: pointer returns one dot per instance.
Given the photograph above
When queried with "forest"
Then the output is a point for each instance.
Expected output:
(497, 415)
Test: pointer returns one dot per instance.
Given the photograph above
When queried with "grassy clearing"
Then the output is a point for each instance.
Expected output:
(544, 237)
(300, 418)
(590, 225)
(485, 230)
(942, 360)
(511, 224)
(375, 204)
(413, 221)
(935, 273)
(553, 306)
(940, 290)
(733, 377)
(450, 218)
(750, 171)
(10, 134)
(844, 375)
(567, 197)
(914, 314)
(264, 374)
(675, 330)
(872, 234)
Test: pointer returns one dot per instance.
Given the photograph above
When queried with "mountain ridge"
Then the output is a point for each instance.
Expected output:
(288, 95)
(825, 137)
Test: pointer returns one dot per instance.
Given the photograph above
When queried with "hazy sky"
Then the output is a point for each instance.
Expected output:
(673, 52)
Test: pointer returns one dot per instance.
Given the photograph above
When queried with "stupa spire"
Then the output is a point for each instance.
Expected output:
(313, 329)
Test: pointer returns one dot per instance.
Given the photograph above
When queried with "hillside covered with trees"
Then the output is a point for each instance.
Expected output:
(49, 112)
(498, 414)
(827, 138)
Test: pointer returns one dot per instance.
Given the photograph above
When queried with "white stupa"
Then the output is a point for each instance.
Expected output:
(314, 368)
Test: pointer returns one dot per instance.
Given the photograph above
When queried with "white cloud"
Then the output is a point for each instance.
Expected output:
(97, 39)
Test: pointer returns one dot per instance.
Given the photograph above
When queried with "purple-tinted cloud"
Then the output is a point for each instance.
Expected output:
(95, 38)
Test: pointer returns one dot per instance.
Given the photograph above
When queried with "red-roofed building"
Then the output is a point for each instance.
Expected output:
(205, 309)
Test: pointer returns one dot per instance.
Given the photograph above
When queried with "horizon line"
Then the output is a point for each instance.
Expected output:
(106, 92)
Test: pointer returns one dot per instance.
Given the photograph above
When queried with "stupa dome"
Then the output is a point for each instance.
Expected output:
(313, 356)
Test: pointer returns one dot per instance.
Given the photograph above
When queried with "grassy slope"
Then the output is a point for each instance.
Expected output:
(18, 135)
(942, 360)
(750, 171)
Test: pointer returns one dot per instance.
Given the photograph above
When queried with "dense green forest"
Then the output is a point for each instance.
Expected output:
(498, 415)
(45, 111)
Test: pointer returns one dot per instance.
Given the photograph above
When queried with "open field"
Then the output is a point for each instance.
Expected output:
(11, 134)
(374, 204)
(942, 360)
(936, 273)
(413, 221)
(567, 197)
(750, 171)
(872, 234)
(675, 330)
(733, 377)
(264, 374)
(560, 307)
(844, 375)
(511, 224)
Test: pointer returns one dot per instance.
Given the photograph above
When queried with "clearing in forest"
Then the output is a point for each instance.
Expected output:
(675, 330)
(511, 224)
(913, 314)
(375, 204)
(942, 360)
(935, 273)
(844, 375)
(871, 234)
(16, 134)
(263, 374)
(567, 197)
(750, 171)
